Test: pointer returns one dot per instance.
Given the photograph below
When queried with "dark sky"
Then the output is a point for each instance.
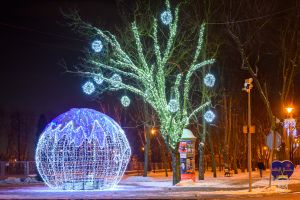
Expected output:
(33, 42)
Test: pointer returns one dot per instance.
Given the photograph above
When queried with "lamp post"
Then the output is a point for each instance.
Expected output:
(247, 88)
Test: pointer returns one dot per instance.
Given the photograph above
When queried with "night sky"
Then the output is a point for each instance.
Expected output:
(33, 42)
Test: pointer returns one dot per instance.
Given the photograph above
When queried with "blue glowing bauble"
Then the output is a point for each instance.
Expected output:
(82, 149)
(209, 80)
(209, 116)
(97, 46)
(125, 101)
(173, 106)
(116, 80)
(88, 88)
(98, 79)
(166, 17)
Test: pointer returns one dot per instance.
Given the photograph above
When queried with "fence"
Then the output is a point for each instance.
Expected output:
(26, 168)
(20, 168)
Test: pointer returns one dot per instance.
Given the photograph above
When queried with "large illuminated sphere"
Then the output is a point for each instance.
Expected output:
(166, 17)
(82, 149)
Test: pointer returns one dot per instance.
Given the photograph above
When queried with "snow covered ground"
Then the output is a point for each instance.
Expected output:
(157, 186)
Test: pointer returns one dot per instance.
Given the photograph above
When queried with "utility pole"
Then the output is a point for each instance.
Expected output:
(247, 88)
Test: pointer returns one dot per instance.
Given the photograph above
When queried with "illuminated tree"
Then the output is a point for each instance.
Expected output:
(148, 76)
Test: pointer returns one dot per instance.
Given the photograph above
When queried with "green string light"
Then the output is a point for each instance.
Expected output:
(149, 80)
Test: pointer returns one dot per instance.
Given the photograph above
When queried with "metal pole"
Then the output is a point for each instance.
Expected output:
(249, 140)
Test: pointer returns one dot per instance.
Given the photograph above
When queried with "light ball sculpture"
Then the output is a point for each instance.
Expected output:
(173, 106)
(88, 88)
(82, 149)
(209, 80)
(97, 46)
(116, 80)
(125, 101)
(209, 116)
(98, 79)
(166, 17)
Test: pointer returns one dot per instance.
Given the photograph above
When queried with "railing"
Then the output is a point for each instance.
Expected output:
(20, 168)
(26, 168)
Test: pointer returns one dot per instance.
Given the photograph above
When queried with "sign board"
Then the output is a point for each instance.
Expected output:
(282, 169)
(245, 129)
(269, 140)
(252, 129)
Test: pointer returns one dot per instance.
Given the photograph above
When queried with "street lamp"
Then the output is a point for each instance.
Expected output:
(153, 131)
(289, 109)
(247, 88)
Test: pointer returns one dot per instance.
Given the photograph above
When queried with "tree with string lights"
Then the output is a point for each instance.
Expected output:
(112, 67)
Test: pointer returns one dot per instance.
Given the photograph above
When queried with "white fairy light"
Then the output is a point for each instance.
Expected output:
(97, 46)
(209, 80)
(290, 126)
(151, 85)
(98, 79)
(116, 80)
(82, 149)
(209, 116)
(166, 17)
(88, 88)
(125, 101)
(173, 106)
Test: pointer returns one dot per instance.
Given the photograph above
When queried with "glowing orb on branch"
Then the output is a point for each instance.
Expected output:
(173, 106)
(166, 17)
(88, 88)
(209, 116)
(116, 80)
(125, 101)
(98, 79)
(82, 149)
(209, 80)
(97, 46)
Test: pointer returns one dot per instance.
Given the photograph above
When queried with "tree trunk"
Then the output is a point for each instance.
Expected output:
(164, 157)
(201, 153)
(220, 161)
(212, 153)
(272, 153)
(147, 149)
(235, 135)
(244, 155)
(165, 162)
(176, 166)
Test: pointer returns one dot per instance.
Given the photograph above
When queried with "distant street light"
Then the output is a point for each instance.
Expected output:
(247, 88)
(153, 131)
